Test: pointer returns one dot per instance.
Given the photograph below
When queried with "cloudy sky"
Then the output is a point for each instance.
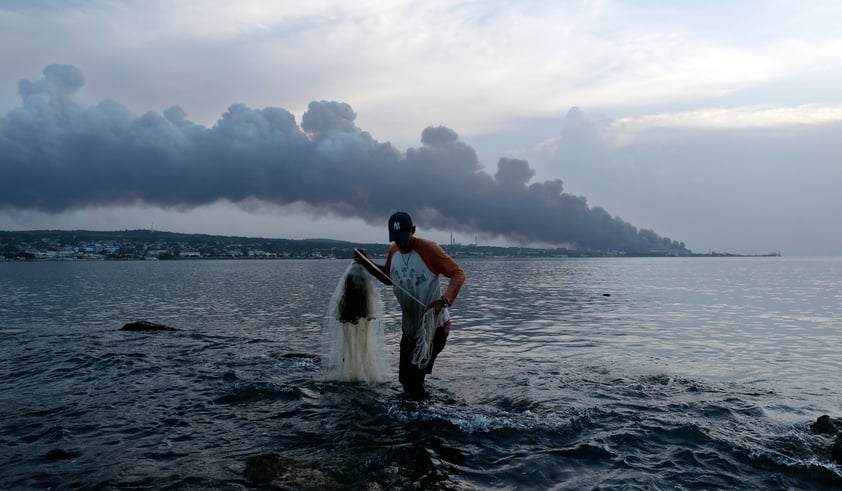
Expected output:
(717, 124)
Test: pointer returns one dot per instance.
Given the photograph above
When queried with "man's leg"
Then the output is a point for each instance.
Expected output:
(439, 340)
(412, 377)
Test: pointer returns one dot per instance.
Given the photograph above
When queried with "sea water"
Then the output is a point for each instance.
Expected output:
(616, 373)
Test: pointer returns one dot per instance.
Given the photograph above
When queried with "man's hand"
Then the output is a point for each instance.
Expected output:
(375, 269)
(436, 304)
(358, 253)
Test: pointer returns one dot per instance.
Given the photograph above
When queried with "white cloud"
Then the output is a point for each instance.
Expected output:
(469, 65)
(626, 130)
(223, 218)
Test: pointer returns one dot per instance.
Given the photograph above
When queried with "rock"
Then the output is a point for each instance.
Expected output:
(825, 425)
(836, 450)
(266, 468)
(298, 355)
(146, 326)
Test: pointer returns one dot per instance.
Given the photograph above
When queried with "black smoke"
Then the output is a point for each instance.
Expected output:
(56, 155)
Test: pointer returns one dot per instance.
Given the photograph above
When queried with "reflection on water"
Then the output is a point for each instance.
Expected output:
(735, 319)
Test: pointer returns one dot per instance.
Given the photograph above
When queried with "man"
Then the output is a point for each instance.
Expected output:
(412, 267)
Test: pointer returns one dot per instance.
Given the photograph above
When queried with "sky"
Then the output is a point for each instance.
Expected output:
(713, 124)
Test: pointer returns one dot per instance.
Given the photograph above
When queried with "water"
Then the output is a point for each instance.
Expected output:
(559, 374)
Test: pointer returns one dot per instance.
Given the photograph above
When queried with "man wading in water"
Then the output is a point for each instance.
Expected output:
(413, 266)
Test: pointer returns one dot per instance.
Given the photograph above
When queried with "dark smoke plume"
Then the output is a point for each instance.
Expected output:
(56, 155)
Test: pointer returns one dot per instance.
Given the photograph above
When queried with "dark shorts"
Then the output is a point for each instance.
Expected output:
(412, 377)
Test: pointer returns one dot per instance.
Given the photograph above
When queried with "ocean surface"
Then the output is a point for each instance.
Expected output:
(623, 373)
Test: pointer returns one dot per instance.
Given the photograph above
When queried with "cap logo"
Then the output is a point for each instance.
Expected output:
(396, 226)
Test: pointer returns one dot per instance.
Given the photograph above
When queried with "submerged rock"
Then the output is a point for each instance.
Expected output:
(298, 355)
(146, 326)
(836, 450)
(266, 467)
(826, 425)
(281, 472)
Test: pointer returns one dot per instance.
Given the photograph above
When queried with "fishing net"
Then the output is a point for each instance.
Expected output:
(353, 342)
(423, 351)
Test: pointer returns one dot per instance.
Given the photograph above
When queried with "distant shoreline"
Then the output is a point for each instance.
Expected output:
(140, 245)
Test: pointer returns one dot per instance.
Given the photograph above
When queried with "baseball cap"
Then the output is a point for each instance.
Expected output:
(400, 226)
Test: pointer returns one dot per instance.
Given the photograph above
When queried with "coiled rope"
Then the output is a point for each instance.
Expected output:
(423, 351)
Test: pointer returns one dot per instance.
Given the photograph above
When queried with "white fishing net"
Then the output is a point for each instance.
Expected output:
(353, 342)
(423, 352)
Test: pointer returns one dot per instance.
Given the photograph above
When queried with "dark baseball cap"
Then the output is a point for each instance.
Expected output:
(400, 226)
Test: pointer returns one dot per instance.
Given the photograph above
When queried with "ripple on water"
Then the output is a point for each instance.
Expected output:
(692, 374)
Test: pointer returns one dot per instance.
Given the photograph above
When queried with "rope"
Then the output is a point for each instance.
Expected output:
(381, 275)
(426, 332)
(413, 297)
(423, 351)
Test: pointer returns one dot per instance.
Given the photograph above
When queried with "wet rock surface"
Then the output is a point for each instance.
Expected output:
(825, 425)
(146, 326)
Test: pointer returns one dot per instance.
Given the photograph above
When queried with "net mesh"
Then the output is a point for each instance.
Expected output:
(353, 342)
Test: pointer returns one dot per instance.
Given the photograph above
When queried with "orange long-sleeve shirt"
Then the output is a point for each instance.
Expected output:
(437, 261)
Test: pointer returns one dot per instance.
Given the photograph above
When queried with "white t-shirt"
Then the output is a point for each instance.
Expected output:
(410, 272)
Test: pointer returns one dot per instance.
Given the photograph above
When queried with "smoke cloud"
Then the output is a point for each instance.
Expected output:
(56, 155)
